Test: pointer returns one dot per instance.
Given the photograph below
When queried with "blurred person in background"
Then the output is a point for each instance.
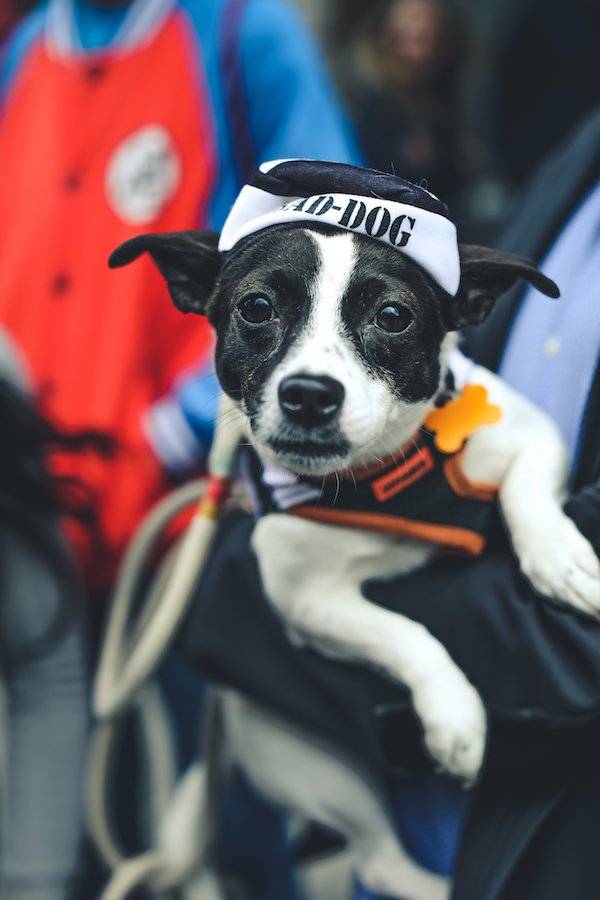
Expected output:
(409, 120)
(410, 72)
(120, 118)
(528, 833)
(43, 663)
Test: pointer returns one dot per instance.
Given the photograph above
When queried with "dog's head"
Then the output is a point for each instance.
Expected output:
(332, 342)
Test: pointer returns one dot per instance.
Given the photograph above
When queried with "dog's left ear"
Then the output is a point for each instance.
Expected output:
(188, 260)
(486, 275)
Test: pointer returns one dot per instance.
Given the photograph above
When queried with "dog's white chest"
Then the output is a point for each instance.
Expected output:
(294, 549)
(307, 566)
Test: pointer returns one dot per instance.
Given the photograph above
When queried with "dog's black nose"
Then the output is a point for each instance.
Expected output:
(310, 400)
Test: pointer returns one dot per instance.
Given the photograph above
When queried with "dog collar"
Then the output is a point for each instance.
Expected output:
(420, 493)
(383, 207)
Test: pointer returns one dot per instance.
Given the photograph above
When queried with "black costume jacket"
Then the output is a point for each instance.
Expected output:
(420, 492)
(534, 829)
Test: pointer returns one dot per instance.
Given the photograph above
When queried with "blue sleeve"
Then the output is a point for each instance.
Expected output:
(22, 38)
(292, 106)
(179, 426)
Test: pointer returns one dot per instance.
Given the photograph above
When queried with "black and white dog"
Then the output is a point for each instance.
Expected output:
(336, 294)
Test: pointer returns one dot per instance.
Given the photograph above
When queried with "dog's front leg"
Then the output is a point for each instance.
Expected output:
(337, 620)
(553, 554)
(526, 454)
(312, 575)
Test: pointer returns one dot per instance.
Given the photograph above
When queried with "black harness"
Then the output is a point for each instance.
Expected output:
(419, 493)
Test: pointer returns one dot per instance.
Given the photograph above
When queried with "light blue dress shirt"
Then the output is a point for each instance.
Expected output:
(553, 348)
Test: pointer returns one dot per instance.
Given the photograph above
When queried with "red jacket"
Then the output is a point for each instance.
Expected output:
(102, 344)
(97, 146)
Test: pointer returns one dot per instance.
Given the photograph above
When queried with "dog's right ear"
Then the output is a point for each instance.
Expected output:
(188, 260)
(486, 274)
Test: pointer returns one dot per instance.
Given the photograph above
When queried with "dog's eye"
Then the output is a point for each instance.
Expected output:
(393, 317)
(256, 310)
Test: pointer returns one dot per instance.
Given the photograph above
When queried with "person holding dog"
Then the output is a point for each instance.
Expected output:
(530, 827)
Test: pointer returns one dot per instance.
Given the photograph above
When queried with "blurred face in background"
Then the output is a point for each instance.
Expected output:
(414, 42)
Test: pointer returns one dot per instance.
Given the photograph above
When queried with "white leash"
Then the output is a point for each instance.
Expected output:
(181, 812)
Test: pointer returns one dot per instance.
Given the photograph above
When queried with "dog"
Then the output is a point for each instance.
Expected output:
(336, 295)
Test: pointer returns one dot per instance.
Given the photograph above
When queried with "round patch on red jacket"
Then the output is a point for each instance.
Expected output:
(142, 175)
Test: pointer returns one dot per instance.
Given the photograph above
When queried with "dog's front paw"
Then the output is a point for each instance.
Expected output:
(454, 722)
(560, 563)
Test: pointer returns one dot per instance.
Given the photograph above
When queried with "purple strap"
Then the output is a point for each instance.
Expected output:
(244, 151)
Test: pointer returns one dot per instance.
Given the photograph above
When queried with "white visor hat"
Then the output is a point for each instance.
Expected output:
(383, 207)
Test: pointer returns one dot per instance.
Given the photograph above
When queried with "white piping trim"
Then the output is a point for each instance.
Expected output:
(142, 21)
(171, 437)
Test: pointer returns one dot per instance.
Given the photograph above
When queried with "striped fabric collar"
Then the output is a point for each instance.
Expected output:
(142, 21)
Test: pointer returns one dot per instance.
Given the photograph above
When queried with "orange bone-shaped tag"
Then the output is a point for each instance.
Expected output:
(459, 418)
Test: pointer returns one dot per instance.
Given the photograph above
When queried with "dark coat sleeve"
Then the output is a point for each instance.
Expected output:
(584, 509)
(536, 664)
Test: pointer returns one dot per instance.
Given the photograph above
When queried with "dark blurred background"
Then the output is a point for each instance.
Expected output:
(467, 94)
